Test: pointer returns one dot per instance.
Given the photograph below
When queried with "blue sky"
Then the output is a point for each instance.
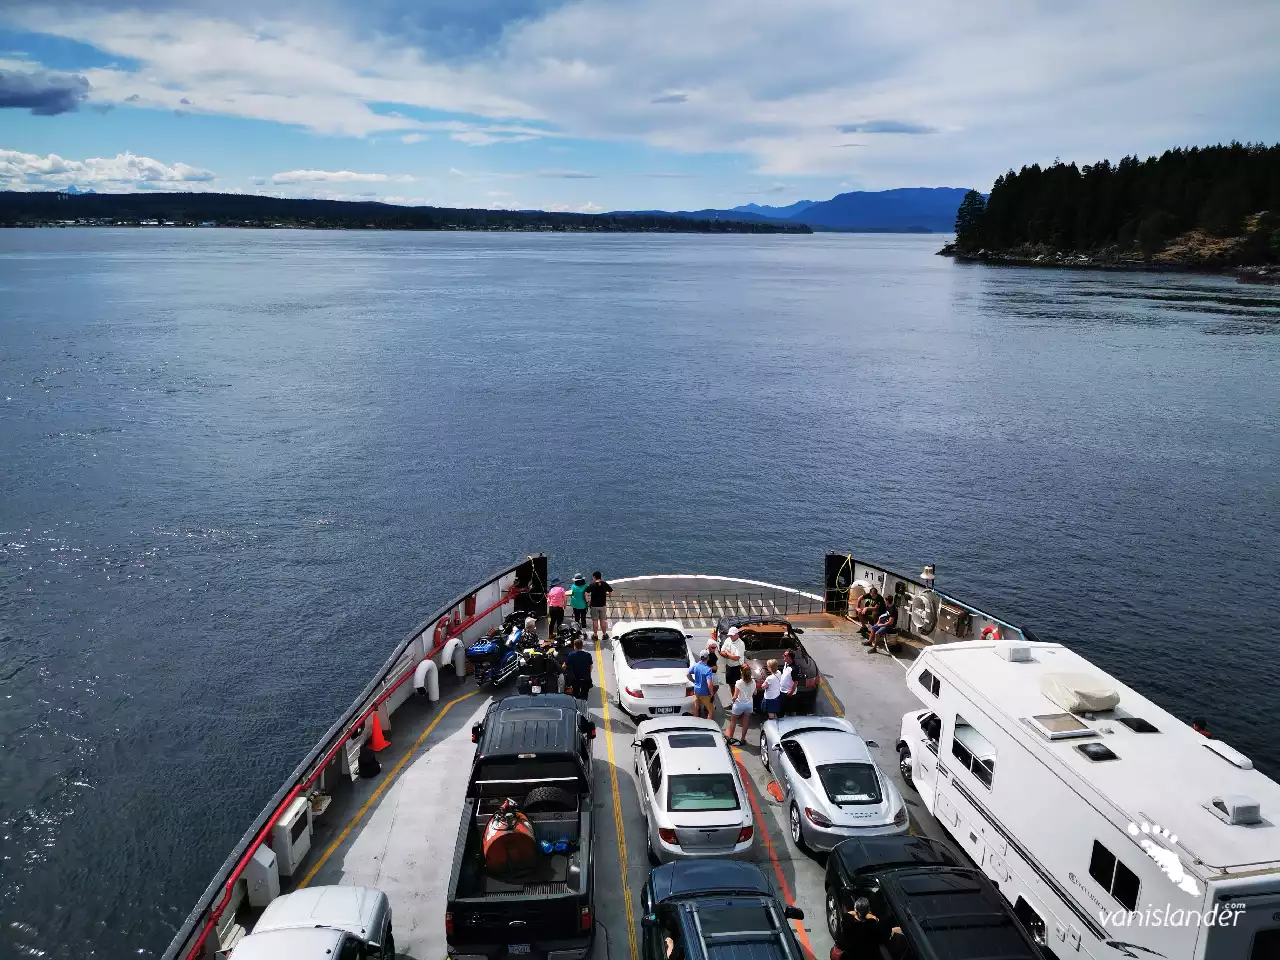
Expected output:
(613, 104)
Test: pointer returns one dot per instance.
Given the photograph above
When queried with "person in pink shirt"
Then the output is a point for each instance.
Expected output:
(555, 607)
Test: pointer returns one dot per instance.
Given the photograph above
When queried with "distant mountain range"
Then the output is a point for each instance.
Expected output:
(906, 210)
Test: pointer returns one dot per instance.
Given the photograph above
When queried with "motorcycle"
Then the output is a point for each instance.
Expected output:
(494, 658)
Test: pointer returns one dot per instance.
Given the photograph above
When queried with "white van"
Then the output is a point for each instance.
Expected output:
(1113, 828)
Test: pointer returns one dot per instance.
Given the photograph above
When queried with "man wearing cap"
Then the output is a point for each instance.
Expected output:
(732, 650)
(578, 600)
(704, 687)
(555, 607)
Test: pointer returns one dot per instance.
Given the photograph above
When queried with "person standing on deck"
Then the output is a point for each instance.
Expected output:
(597, 597)
(732, 649)
(704, 687)
(577, 671)
(578, 600)
(743, 694)
(555, 608)
(787, 683)
(771, 701)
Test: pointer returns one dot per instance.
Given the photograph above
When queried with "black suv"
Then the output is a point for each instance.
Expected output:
(946, 911)
(768, 638)
(715, 910)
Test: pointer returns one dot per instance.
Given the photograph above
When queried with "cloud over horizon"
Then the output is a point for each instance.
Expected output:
(119, 174)
(336, 176)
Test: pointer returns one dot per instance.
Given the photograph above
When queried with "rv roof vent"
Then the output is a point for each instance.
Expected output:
(1230, 754)
(1138, 725)
(1236, 809)
(1097, 752)
(1059, 726)
(1013, 651)
(1079, 692)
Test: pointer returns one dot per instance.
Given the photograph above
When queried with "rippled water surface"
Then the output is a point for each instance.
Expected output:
(235, 467)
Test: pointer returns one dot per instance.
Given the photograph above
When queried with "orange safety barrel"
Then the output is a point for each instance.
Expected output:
(509, 843)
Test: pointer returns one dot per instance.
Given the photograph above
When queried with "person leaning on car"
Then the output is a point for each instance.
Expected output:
(860, 934)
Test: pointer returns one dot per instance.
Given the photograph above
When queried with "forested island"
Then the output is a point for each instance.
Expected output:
(244, 210)
(1202, 208)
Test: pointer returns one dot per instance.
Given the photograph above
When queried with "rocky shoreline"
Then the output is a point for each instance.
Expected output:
(1214, 257)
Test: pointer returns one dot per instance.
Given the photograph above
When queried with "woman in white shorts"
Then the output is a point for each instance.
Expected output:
(744, 694)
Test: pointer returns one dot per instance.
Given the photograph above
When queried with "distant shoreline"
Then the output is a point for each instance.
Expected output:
(212, 210)
(1110, 261)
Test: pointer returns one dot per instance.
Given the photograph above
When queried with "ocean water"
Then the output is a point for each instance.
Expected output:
(236, 467)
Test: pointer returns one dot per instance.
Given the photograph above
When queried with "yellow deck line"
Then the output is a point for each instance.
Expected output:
(617, 806)
(386, 781)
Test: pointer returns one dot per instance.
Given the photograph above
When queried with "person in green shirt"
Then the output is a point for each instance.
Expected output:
(578, 600)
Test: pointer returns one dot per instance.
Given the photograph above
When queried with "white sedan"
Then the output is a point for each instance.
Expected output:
(651, 663)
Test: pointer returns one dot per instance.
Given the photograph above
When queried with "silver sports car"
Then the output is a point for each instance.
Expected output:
(831, 787)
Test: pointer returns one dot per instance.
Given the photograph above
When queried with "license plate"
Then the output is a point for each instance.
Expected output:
(514, 948)
(660, 711)
(535, 689)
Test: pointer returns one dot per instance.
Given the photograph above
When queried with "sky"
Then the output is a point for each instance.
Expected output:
(591, 105)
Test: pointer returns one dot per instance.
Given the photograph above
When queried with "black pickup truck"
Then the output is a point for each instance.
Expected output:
(715, 910)
(929, 906)
(536, 751)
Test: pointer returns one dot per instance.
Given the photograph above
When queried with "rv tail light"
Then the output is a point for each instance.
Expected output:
(636, 694)
(584, 919)
(816, 818)
(811, 681)
(448, 924)
(745, 834)
(667, 835)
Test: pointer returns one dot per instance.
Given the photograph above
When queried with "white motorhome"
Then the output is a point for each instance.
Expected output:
(1113, 828)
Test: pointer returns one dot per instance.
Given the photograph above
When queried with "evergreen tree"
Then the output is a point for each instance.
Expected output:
(969, 221)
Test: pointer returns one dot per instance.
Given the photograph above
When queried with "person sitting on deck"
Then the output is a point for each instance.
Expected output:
(883, 628)
(869, 609)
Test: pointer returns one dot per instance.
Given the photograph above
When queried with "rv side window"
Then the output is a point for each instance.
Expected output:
(974, 751)
(930, 682)
(1114, 877)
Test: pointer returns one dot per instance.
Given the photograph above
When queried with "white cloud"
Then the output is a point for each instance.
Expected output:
(125, 172)
(413, 138)
(336, 176)
(994, 84)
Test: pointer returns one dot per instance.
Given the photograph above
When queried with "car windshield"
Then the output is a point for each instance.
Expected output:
(650, 649)
(768, 637)
(850, 782)
(702, 791)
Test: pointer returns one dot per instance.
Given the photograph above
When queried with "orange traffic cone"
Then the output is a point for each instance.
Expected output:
(378, 740)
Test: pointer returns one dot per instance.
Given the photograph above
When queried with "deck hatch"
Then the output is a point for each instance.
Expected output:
(1059, 726)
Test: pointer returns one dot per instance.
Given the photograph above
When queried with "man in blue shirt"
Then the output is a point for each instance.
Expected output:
(704, 687)
(577, 671)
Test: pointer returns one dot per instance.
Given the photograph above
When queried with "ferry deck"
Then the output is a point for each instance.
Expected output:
(396, 832)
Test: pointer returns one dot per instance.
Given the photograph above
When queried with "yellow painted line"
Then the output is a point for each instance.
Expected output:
(836, 705)
(386, 781)
(617, 806)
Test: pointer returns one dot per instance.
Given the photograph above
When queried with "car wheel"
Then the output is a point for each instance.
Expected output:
(764, 752)
(797, 831)
(833, 915)
(904, 765)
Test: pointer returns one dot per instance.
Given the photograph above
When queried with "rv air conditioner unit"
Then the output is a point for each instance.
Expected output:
(291, 836)
(1013, 651)
(1236, 809)
(262, 877)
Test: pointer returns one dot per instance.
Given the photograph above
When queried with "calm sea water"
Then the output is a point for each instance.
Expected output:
(235, 467)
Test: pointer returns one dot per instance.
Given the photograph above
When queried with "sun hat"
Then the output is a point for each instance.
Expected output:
(579, 578)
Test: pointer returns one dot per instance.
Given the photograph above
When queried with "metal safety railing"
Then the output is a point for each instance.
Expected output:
(704, 608)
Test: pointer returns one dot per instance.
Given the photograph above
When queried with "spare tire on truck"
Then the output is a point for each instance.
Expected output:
(549, 800)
